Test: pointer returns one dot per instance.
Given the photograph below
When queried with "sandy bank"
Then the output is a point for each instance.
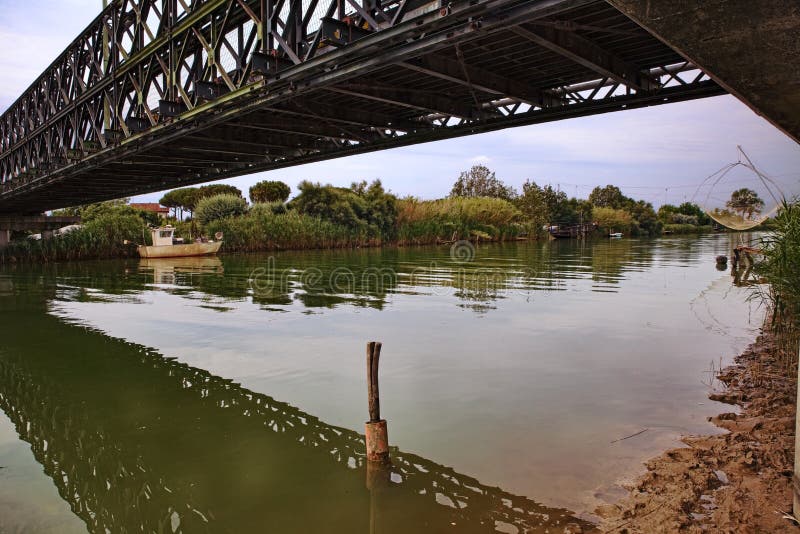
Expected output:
(739, 481)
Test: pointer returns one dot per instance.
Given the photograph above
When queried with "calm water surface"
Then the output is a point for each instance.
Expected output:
(228, 394)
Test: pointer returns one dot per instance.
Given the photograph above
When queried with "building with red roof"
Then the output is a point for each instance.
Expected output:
(153, 207)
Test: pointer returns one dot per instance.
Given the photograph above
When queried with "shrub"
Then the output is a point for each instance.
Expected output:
(611, 219)
(262, 229)
(267, 208)
(680, 218)
(364, 208)
(219, 207)
(269, 191)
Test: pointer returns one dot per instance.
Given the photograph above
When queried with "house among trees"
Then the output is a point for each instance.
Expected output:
(153, 207)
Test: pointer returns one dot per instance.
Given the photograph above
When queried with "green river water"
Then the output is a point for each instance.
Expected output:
(229, 394)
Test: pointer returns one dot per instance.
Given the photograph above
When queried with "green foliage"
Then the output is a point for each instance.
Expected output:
(691, 209)
(429, 221)
(269, 191)
(609, 196)
(559, 208)
(781, 266)
(183, 199)
(364, 208)
(531, 203)
(647, 222)
(273, 208)
(680, 218)
(334, 204)
(217, 189)
(262, 229)
(219, 207)
(87, 212)
(119, 207)
(665, 213)
(479, 181)
(745, 202)
(613, 220)
(103, 236)
(187, 229)
(686, 213)
(381, 211)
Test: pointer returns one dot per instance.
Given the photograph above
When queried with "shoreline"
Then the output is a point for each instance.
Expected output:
(738, 481)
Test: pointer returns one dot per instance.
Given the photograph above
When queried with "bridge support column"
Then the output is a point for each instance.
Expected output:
(22, 223)
(749, 47)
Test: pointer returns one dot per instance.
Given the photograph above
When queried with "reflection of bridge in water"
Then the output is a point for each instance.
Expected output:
(135, 441)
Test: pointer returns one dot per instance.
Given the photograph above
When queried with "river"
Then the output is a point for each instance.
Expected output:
(229, 394)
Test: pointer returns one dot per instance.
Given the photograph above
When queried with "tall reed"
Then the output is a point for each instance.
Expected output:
(780, 267)
(428, 221)
(103, 237)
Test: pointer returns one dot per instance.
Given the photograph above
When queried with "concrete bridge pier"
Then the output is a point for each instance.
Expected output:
(750, 47)
(42, 223)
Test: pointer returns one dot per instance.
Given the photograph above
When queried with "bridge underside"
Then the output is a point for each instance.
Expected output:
(445, 72)
(750, 47)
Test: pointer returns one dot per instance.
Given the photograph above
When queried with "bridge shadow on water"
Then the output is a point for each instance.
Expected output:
(136, 441)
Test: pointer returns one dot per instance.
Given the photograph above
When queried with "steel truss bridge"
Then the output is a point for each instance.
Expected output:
(162, 93)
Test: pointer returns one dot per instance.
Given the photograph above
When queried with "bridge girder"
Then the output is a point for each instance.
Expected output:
(157, 82)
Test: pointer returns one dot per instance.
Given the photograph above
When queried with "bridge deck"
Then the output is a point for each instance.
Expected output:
(362, 79)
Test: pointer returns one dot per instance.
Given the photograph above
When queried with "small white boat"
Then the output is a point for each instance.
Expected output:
(615, 234)
(165, 246)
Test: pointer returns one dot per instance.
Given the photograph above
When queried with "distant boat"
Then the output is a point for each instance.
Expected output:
(615, 234)
(165, 246)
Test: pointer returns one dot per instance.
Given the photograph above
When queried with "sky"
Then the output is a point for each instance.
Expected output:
(658, 154)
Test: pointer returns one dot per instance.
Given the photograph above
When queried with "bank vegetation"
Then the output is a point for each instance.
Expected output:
(480, 207)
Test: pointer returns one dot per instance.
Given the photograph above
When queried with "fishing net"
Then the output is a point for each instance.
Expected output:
(739, 196)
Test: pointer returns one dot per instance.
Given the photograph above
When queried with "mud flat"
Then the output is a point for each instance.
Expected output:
(739, 481)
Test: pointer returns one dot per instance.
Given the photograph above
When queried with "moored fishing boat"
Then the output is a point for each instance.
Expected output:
(166, 246)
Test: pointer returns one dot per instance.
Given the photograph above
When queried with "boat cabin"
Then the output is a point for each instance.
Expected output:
(162, 236)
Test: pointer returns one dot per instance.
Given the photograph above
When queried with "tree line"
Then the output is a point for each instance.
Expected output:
(479, 207)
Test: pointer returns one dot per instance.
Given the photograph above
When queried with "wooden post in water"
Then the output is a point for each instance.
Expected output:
(375, 429)
(378, 468)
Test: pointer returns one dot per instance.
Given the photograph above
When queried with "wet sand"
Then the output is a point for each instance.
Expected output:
(739, 481)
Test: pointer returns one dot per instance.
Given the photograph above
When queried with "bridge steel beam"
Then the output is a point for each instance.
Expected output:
(152, 83)
(588, 54)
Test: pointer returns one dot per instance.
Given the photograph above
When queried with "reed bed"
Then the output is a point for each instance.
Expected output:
(430, 221)
(780, 268)
(261, 229)
(271, 226)
(103, 237)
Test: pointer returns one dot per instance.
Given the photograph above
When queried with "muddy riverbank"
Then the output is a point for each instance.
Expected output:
(739, 481)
